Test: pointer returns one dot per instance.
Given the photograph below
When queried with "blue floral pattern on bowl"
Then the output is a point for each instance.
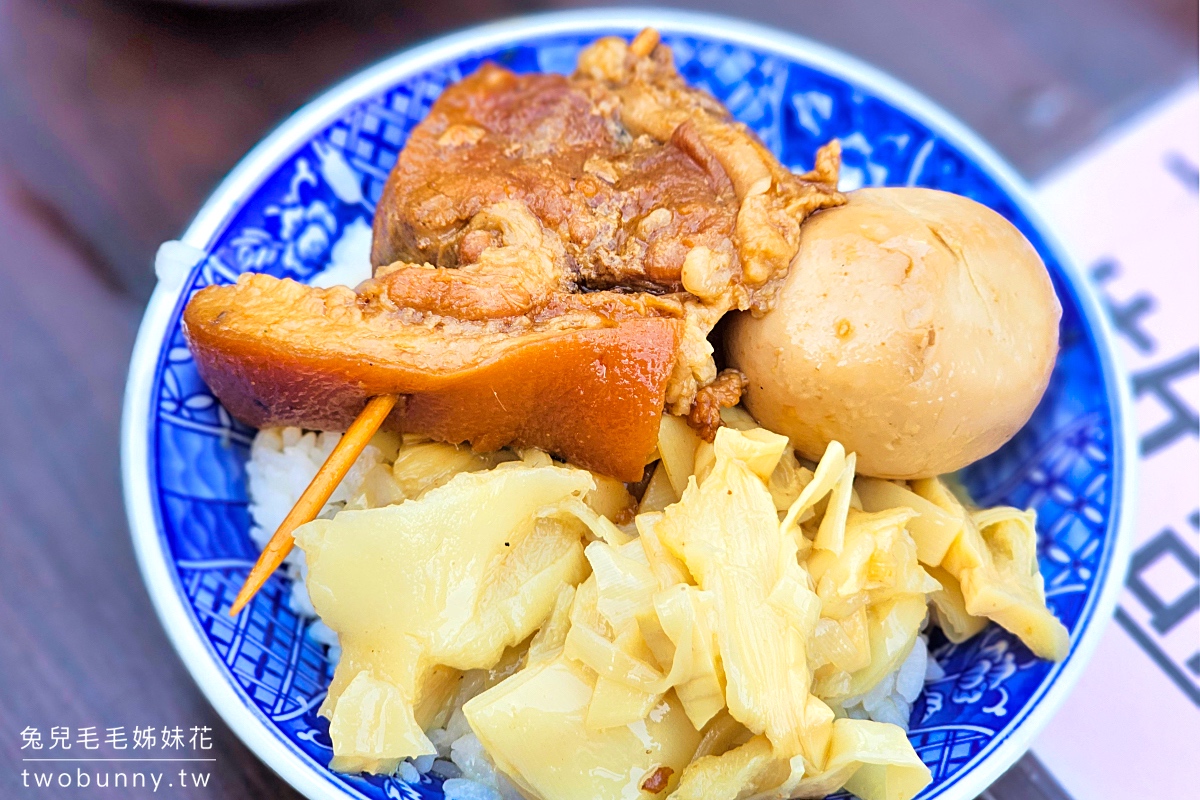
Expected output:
(1065, 463)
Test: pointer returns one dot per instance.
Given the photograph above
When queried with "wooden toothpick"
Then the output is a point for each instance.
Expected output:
(314, 498)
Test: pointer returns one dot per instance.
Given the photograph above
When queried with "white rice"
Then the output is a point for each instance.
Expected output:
(891, 700)
(284, 460)
(282, 463)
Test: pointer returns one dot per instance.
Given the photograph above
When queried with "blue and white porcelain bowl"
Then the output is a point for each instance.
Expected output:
(303, 200)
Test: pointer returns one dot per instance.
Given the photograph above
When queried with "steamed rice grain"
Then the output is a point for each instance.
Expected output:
(891, 700)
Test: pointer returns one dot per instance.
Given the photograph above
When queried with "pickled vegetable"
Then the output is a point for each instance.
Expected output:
(451, 580)
(535, 727)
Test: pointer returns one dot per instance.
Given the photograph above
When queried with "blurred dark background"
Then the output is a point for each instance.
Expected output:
(117, 118)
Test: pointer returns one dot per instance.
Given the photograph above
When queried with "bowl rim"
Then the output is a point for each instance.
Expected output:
(154, 560)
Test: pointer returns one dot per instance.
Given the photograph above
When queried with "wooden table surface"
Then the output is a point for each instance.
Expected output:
(117, 119)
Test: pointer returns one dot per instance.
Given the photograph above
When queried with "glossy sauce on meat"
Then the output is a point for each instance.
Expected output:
(627, 209)
(551, 254)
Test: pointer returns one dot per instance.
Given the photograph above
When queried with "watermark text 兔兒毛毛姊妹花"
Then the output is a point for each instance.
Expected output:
(151, 758)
